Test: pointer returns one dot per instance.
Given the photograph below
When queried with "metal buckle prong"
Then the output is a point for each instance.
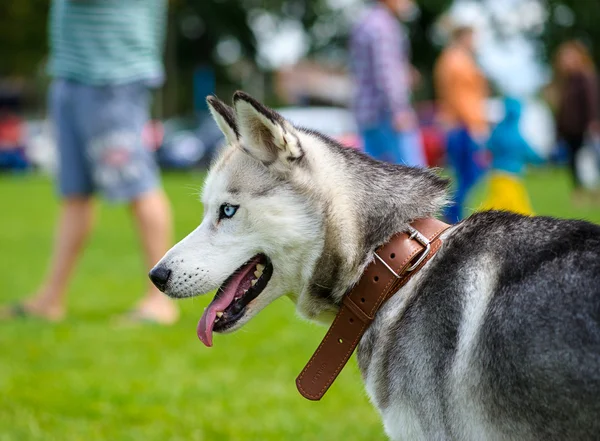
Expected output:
(416, 235)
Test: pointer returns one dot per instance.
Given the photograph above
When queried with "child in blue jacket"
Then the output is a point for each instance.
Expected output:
(510, 153)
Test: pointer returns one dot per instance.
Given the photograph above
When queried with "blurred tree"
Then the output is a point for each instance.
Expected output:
(196, 27)
(22, 36)
(219, 33)
(424, 52)
(569, 19)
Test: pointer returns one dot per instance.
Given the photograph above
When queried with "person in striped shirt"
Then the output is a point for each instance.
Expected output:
(105, 55)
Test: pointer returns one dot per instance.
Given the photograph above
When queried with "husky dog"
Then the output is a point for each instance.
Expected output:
(496, 338)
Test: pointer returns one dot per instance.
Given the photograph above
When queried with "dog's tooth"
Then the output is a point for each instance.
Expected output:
(257, 274)
(260, 267)
(219, 314)
(253, 282)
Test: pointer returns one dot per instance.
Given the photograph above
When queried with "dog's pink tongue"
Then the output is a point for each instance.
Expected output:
(220, 303)
(207, 321)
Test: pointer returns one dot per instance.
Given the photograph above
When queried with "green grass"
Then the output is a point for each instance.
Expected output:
(87, 379)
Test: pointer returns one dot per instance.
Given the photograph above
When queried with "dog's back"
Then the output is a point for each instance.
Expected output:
(501, 339)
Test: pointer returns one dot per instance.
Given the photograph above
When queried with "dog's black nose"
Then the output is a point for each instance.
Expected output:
(160, 277)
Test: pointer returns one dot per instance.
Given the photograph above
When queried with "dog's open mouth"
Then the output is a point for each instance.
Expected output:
(230, 302)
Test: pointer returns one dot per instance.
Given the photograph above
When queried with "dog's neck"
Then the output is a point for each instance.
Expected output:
(392, 198)
(366, 202)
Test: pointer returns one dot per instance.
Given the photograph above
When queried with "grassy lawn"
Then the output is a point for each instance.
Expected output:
(88, 379)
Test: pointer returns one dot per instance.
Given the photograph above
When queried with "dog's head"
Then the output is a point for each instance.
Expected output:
(261, 235)
(286, 212)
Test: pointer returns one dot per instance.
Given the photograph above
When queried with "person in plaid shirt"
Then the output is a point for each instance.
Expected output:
(379, 51)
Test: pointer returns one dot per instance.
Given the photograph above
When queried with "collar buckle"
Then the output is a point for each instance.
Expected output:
(423, 241)
(416, 235)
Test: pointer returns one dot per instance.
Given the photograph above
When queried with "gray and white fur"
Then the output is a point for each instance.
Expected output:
(497, 338)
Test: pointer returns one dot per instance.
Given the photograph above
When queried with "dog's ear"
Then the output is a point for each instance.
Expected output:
(266, 135)
(224, 116)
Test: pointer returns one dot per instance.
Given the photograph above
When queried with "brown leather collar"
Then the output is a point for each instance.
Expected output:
(394, 264)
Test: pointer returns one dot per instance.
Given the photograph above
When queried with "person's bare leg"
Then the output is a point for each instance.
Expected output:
(152, 213)
(74, 226)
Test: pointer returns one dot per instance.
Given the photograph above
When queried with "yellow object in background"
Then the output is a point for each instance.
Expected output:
(507, 192)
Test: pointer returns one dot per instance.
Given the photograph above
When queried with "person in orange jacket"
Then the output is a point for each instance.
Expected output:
(461, 91)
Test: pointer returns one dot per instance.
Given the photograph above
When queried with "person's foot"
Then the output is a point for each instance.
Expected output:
(34, 307)
(154, 309)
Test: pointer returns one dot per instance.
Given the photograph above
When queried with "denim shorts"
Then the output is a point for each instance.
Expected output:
(99, 140)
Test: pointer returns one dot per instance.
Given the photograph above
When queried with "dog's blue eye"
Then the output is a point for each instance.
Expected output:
(227, 211)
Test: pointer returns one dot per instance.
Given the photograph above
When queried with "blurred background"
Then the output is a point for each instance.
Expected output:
(294, 53)
(88, 378)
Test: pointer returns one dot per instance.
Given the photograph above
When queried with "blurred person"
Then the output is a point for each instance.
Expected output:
(510, 153)
(104, 57)
(577, 115)
(379, 53)
(462, 90)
